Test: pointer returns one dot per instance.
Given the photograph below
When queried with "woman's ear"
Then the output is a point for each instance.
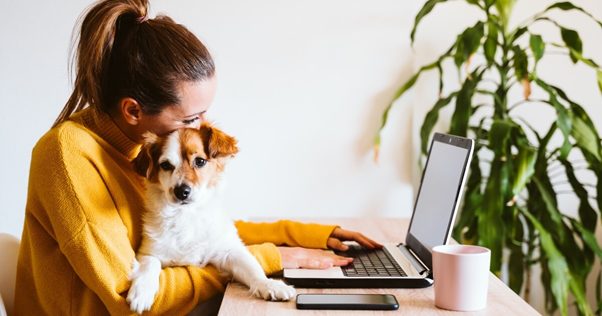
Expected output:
(131, 110)
(217, 143)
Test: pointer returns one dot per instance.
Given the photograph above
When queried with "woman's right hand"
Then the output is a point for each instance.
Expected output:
(304, 258)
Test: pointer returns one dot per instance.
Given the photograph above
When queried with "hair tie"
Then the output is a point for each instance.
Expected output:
(142, 19)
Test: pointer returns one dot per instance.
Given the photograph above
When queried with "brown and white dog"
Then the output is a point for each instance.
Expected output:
(184, 223)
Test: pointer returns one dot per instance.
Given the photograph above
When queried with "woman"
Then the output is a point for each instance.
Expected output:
(82, 224)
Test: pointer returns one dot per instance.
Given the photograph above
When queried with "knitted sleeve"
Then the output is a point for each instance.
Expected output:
(285, 232)
(80, 214)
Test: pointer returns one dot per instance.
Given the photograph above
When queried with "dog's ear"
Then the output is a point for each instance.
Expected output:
(143, 163)
(217, 143)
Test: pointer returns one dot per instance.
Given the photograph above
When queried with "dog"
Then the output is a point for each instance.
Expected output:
(184, 223)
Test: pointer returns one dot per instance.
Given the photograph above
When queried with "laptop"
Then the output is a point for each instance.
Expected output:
(406, 264)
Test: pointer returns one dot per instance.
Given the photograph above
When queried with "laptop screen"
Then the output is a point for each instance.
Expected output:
(440, 193)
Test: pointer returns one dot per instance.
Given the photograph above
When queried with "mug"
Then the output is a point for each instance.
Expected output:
(461, 275)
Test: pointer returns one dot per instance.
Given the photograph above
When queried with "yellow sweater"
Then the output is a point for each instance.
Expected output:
(82, 227)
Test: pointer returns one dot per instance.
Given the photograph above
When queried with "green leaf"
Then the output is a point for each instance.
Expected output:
(463, 110)
(499, 135)
(577, 286)
(504, 8)
(490, 45)
(521, 63)
(472, 204)
(488, 4)
(552, 220)
(550, 202)
(397, 95)
(431, 119)
(468, 43)
(573, 41)
(440, 69)
(599, 79)
(566, 6)
(598, 293)
(516, 268)
(587, 214)
(406, 87)
(563, 121)
(517, 34)
(583, 129)
(576, 54)
(546, 281)
(543, 142)
(491, 228)
(525, 161)
(557, 265)
(537, 46)
(588, 237)
(426, 9)
(516, 263)
(584, 132)
(473, 200)
(579, 56)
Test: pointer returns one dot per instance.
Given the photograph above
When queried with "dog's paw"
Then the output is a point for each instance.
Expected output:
(274, 290)
(143, 289)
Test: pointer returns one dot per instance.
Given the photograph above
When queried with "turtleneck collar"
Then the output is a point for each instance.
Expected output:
(103, 126)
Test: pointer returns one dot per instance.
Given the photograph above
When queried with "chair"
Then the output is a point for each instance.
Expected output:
(9, 252)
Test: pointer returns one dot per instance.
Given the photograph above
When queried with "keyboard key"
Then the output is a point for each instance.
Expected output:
(376, 262)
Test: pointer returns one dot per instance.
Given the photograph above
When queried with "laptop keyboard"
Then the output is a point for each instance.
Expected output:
(370, 263)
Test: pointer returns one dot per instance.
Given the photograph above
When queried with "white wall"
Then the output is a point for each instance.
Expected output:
(302, 85)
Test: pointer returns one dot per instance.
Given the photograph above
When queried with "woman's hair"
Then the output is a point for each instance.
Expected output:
(121, 53)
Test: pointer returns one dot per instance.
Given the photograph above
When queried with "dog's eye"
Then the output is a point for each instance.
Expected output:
(166, 166)
(199, 162)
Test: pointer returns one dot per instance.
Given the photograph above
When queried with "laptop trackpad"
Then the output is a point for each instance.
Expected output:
(334, 272)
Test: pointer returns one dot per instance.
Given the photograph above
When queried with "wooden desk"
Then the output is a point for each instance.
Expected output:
(500, 299)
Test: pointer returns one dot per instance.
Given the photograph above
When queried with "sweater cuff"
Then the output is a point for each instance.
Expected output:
(268, 257)
(319, 237)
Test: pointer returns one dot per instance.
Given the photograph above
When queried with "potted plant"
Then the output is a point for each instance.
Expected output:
(511, 202)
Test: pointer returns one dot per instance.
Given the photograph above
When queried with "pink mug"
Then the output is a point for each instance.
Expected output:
(461, 274)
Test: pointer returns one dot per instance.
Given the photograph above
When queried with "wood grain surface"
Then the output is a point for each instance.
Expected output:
(500, 299)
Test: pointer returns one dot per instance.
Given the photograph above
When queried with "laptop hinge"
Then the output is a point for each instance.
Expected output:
(413, 258)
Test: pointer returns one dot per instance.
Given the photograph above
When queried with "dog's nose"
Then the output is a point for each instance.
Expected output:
(182, 192)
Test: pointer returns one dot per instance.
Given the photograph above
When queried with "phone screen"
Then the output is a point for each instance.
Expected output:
(346, 301)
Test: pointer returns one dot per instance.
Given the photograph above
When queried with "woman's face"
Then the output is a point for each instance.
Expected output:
(196, 98)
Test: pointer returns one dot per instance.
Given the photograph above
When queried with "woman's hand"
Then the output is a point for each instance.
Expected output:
(338, 235)
(297, 257)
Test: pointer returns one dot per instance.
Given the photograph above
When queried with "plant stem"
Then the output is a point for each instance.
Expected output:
(522, 102)
(527, 294)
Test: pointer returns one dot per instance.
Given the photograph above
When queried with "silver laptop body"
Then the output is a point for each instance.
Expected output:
(435, 208)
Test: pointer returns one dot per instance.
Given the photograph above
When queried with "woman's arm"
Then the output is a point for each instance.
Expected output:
(77, 207)
(299, 235)
(285, 232)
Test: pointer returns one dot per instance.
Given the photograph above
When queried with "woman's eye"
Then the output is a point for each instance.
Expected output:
(166, 166)
(199, 162)
(190, 121)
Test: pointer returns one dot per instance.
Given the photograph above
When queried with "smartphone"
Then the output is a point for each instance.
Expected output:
(347, 301)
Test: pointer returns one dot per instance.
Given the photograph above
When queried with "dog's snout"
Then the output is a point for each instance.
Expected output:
(182, 192)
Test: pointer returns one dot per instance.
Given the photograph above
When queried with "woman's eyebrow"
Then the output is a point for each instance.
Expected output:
(194, 114)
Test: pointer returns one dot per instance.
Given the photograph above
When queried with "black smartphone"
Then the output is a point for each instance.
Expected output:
(347, 301)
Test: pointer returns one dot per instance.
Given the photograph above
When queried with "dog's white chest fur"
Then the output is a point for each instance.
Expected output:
(188, 235)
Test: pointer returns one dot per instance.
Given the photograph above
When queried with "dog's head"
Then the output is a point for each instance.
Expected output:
(186, 164)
